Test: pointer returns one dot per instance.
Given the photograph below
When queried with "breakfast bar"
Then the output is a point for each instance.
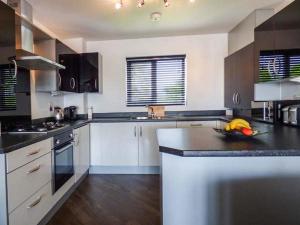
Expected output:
(211, 179)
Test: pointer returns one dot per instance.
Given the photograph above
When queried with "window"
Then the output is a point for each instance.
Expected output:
(156, 80)
(8, 99)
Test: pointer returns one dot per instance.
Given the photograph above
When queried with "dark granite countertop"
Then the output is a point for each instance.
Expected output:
(204, 142)
(11, 142)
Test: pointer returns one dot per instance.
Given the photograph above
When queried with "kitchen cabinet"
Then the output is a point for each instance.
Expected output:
(126, 144)
(274, 38)
(114, 144)
(89, 73)
(239, 79)
(148, 146)
(7, 37)
(81, 73)
(81, 151)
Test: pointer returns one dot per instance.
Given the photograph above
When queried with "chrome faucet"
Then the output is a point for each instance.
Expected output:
(152, 114)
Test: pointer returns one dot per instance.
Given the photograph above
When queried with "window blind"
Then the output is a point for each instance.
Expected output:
(157, 80)
(8, 99)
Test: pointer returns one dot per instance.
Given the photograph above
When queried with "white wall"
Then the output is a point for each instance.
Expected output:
(205, 69)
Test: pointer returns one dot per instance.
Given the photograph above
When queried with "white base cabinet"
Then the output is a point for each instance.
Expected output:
(81, 151)
(126, 144)
(148, 145)
(114, 144)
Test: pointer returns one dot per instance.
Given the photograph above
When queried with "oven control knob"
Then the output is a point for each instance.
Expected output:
(71, 135)
(57, 142)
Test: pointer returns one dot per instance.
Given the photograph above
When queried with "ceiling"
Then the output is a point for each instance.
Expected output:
(99, 20)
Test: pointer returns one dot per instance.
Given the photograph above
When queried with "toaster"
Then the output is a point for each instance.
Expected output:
(291, 114)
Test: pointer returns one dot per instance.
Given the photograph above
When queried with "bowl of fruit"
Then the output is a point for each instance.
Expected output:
(238, 128)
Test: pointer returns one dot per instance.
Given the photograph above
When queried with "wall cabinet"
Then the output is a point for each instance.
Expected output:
(239, 79)
(81, 151)
(126, 144)
(280, 32)
(81, 73)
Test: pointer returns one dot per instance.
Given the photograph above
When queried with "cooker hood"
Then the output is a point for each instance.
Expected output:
(25, 37)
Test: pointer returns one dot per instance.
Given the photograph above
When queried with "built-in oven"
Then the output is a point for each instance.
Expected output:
(63, 163)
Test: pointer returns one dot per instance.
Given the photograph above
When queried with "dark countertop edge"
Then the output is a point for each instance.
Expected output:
(81, 123)
(237, 153)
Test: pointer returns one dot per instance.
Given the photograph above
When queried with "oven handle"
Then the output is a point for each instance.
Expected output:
(63, 149)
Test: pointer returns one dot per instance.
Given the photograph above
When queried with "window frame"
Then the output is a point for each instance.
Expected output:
(153, 60)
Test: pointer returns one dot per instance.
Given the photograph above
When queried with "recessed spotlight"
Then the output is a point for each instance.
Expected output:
(119, 4)
(141, 3)
(167, 3)
(192, 1)
(155, 16)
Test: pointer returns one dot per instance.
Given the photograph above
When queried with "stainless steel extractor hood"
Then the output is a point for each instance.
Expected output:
(25, 56)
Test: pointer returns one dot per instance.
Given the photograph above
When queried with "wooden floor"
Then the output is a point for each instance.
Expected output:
(113, 200)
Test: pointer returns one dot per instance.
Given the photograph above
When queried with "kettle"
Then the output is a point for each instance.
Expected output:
(58, 114)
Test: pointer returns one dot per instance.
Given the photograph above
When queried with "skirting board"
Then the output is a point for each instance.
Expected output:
(124, 170)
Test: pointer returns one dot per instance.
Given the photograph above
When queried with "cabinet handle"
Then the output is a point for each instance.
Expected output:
(95, 83)
(33, 152)
(196, 125)
(16, 69)
(36, 202)
(141, 131)
(233, 98)
(72, 83)
(237, 98)
(59, 80)
(34, 169)
(135, 131)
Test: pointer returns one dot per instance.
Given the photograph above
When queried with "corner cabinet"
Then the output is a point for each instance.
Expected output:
(239, 79)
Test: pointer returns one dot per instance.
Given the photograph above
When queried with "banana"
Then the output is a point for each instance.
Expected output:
(237, 124)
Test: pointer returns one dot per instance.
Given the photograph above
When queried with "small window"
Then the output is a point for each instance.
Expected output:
(8, 99)
(156, 80)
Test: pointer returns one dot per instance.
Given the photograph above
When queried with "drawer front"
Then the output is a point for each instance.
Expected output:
(29, 179)
(196, 124)
(32, 211)
(27, 154)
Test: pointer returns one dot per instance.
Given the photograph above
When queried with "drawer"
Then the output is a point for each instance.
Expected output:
(196, 124)
(33, 210)
(27, 154)
(25, 181)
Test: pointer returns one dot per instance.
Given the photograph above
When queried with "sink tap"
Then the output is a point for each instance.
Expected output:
(152, 114)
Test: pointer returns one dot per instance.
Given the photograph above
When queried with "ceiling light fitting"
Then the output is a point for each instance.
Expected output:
(118, 4)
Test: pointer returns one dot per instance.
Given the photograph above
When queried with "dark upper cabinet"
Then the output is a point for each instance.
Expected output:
(276, 40)
(70, 76)
(81, 73)
(7, 37)
(89, 79)
(239, 79)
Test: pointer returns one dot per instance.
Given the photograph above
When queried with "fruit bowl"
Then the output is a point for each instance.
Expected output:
(238, 128)
(235, 133)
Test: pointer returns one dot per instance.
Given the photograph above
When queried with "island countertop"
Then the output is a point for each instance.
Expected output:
(205, 142)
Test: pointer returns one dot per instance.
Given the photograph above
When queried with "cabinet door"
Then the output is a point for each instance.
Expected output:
(7, 37)
(244, 80)
(89, 81)
(148, 145)
(70, 76)
(196, 124)
(229, 91)
(114, 144)
(82, 151)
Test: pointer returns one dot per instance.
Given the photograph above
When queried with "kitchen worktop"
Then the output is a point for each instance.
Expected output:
(11, 142)
(204, 142)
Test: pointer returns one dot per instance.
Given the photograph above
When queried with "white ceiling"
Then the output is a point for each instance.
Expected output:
(99, 20)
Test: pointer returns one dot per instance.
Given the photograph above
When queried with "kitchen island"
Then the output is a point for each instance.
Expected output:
(209, 179)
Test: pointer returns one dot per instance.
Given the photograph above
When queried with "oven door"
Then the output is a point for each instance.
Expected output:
(63, 166)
